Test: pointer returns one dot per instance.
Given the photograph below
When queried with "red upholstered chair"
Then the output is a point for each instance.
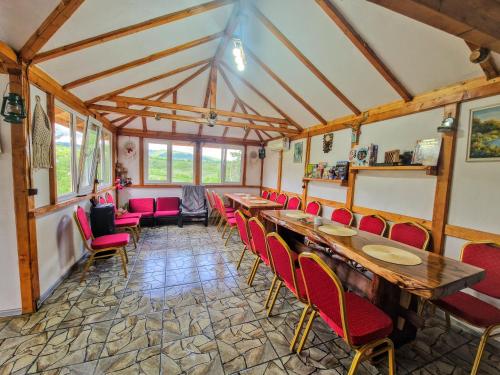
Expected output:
(313, 208)
(373, 224)
(473, 310)
(282, 199)
(343, 216)
(242, 224)
(222, 210)
(101, 200)
(362, 325)
(285, 270)
(259, 247)
(131, 225)
(213, 209)
(227, 217)
(103, 246)
(273, 196)
(294, 203)
(118, 214)
(167, 208)
(412, 234)
(265, 194)
(144, 206)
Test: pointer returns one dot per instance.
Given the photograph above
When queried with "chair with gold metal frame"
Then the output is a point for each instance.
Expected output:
(128, 224)
(284, 263)
(282, 199)
(313, 208)
(362, 325)
(272, 196)
(294, 203)
(103, 246)
(242, 224)
(409, 233)
(373, 223)
(227, 217)
(470, 309)
(222, 210)
(343, 216)
(259, 247)
(264, 194)
(212, 217)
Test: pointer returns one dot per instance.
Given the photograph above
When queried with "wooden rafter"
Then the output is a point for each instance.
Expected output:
(474, 21)
(285, 86)
(356, 39)
(303, 59)
(257, 91)
(147, 81)
(191, 119)
(144, 124)
(174, 100)
(233, 107)
(129, 30)
(489, 67)
(141, 61)
(49, 27)
(7, 55)
(128, 101)
(228, 32)
(213, 86)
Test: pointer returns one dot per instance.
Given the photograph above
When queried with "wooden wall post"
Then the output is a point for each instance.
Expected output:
(197, 163)
(51, 114)
(141, 160)
(261, 174)
(25, 224)
(244, 177)
(305, 184)
(443, 183)
(280, 171)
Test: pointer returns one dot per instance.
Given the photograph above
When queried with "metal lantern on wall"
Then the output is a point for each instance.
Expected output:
(13, 109)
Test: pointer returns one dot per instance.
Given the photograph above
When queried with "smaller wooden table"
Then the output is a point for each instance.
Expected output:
(249, 208)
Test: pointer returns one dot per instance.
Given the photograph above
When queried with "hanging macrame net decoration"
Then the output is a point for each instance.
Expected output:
(41, 138)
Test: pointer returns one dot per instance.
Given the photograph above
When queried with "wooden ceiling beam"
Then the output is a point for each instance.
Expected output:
(147, 81)
(207, 95)
(186, 137)
(144, 124)
(228, 32)
(258, 92)
(285, 86)
(213, 86)
(475, 21)
(141, 61)
(7, 55)
(48, 28)
(126, 100)
(488, 66)
(363, 47)
(191, 119)
(129, 30)
(303, 59)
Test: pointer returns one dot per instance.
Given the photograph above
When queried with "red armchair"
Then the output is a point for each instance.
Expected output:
(412, 234)
(144, 206)
(168, 208)
(294, 203)
(343, 216)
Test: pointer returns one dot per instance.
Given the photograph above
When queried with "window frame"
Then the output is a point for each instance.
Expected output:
(102, 167)
(223, 163)
(170, 144)
(87, 189)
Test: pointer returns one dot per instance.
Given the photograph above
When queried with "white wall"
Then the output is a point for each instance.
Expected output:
(291, 180)
(10, 292)
(270, 176)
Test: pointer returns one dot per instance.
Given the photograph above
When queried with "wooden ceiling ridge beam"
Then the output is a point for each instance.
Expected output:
(232, 23)
(356, 39)
(488, 66)
(303, 59)
(129, 30)
(258, 92)
(144, 60)
(191, 119)
(147, 81)
(285, 86)
(48, 28)
(474, 21)
(186, 137)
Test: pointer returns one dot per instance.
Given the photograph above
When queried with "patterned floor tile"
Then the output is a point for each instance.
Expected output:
(244, 346)
(213, 271)
(182, 276)
(221, 288)
(208, 259)
(91, 310)
(256, 300)
(78, 369)
(184, 295)
(141, 302)
(132, 333)
(18, 353)
(70, 346)
(145, 281)
(137, 362)
(186, 321)
(315, 360)
(196, 355)
(229, 312)
(270, 368)
(149, 265)
(180, 262)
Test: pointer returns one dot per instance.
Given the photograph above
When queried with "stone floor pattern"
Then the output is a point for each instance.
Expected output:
(185, 309)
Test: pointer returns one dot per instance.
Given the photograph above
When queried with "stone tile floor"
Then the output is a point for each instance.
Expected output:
(185, 309)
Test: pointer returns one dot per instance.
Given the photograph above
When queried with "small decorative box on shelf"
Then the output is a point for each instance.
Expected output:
(326, 180)
(428, 169)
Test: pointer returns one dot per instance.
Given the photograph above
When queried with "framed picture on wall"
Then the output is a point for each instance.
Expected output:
(298, 149)
(484, 134)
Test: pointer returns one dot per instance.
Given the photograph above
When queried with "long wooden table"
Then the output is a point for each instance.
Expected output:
(246, 203)
(381, 282)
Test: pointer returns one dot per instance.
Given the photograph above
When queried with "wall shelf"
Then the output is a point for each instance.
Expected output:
(428, 170)
(337, 182)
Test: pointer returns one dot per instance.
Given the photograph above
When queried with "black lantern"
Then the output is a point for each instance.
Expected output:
(13, 110)
(262, 152)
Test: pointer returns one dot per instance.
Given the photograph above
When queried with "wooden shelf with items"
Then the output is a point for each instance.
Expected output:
(328, 181)
(428, 169)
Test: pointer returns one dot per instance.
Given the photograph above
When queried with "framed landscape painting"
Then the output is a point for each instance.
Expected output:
(484, 134)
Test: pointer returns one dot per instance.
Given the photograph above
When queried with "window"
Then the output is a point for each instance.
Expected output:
(221, 165)
(105, 168)
(166, 162)
(64, 153)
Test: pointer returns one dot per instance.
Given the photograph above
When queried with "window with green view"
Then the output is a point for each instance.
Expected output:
(221, 165)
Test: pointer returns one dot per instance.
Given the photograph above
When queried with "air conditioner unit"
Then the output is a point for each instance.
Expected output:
(282, 144)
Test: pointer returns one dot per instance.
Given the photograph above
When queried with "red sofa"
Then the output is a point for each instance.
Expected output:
(168, 208)
(144, 206)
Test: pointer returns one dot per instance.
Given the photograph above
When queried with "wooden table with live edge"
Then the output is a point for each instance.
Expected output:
(383, 283)
(251, 205)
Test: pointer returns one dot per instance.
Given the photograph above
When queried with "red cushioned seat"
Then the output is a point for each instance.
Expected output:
(230, 209)
(373, 224)
(302, 294)
(342, 216)
(293, 203)
(145, 206)
(471, 309)
(366, 322)
(167, 204)
(410, 234)
(166, 213)
(129, 215)
(110, 240)
(313, 208)
(231, 221)
(126, 222)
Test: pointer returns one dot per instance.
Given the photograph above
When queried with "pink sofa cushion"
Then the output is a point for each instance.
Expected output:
(166, 213)
(129, 215)
(110, 240)
(167, 204)
(144, 206)
(130, 222)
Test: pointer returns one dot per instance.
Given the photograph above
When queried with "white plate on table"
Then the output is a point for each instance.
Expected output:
(392, 255)
(336, 230)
